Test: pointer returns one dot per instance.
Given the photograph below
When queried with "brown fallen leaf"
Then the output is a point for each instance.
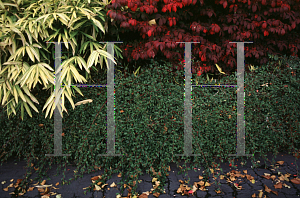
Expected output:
(95, 178)
(43, 182)
(30, 189)
(267, 189)
(156, 194)
(18, 181)
(57, 184)
(41, 190)
(295, 181)
(278, 185)
(275, 192)
(143, 195)
(280, 162)
(181, 181)
(47, 190)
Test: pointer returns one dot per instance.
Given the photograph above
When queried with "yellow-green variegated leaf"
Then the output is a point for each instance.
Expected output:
(36, 76)
(5, 97)
(78, 90)
(49, 107)
(43, 77)
(27, 109)
(20, 93)
(98, 24)
(76, 75)
(66, 42)
(29, 36)
(30, 95)
(22, 110)
(63, 18)
(12, 108)
(50, 99)
(81, 62)
(15, 94)
(25, 76)
(35, 53)
(59, 38)
(8, 85)
(29, 53)
(65, 93)
(31, 104)
(57, 95)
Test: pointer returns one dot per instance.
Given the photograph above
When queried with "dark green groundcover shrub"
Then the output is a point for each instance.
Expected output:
(149, 117)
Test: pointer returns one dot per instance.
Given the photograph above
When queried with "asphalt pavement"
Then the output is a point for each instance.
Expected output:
(236, 182)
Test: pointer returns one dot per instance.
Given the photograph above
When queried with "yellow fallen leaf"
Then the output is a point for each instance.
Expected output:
(97, 187)
(84, 102)
(113, 185)
(154, 179)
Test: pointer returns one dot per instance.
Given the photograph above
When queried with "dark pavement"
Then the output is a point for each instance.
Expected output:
(263, 184)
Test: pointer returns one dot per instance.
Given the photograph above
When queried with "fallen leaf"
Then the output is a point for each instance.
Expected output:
(47, 190)
(295, 181)
(97, 188)
(95, 178)
(280, 162)
(43, 182)
(278, 185)
(142, 196)
(260, 194)
(267, 189)
(30, 189)
(275, 192)
(273, 177)
(84, 102)
(113, 185)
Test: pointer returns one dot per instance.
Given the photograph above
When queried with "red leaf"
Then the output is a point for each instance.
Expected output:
(169, 8)
(254, 8)
(161, 47)
(174, 8)
(180, 36)
(134, 8)
(164, 9)
(170, 23)
(225, 4)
